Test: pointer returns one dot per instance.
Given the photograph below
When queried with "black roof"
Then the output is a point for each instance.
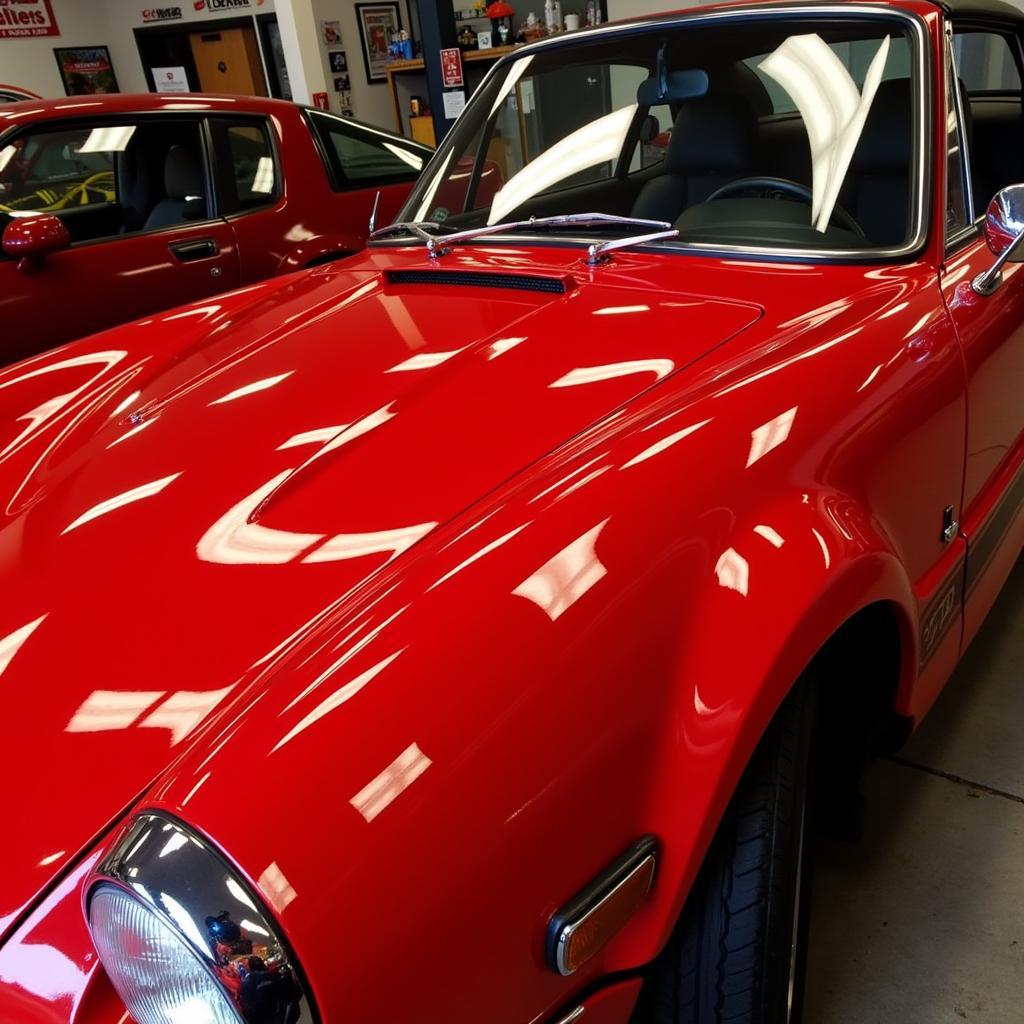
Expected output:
(983, 9)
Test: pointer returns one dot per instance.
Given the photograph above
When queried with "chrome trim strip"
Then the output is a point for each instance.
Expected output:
(923, 113)
(965, 142)
(572, 1016)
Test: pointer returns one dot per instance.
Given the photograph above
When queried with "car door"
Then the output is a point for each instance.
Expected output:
(145, 235)
(985, 60)
(363, 161)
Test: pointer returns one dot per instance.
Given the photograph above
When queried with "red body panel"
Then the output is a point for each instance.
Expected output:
(93, 285)
(422, 602)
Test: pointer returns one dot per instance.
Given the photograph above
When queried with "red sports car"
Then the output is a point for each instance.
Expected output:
(476, 630)
(116, 207)
(12, 94)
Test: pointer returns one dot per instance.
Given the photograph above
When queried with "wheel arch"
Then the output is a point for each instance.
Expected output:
(857, 613)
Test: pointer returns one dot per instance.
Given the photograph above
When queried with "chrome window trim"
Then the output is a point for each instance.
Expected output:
(965, 143)
(923, 128)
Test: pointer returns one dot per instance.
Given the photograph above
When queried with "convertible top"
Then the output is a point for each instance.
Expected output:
(986, 8)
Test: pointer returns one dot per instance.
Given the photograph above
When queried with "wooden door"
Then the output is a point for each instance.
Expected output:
(229, 61)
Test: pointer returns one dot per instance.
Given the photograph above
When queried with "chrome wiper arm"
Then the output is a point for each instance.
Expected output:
(413, 227)
(598, 252)
(560, 220)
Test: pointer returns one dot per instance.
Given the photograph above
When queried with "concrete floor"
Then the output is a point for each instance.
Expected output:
(923, 921)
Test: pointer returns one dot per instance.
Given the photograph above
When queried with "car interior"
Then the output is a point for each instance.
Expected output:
(733, 165)
(138, 177)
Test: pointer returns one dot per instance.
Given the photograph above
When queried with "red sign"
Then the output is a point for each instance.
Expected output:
(20, 18)
(320, 101)
(451, 67)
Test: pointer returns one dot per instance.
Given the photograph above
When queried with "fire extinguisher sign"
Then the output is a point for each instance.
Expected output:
(451, 68)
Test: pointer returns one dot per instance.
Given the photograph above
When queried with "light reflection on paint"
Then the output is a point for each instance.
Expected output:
(340, 696)
(609, 371)
(381, 791)
(733, 571)
(120, 500)
(769, 535)
(558, 584)
(13, 642)
(770, 435)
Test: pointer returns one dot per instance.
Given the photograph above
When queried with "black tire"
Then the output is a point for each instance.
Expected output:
(739, 950)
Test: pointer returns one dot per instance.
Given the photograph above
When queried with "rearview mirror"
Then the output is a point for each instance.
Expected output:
(1004, 233)
(30, 240)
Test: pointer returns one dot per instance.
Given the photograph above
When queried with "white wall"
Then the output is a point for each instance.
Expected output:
(30, 63)
(370, 103)
(620, 10)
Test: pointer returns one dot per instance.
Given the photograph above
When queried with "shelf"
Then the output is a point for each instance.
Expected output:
(398, 67)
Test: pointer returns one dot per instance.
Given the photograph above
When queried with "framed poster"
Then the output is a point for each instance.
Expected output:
(338, 60)
(330, 32)
(377, 24)
(86, 70)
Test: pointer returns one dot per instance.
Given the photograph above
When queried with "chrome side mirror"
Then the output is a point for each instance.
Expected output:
(1004, 233)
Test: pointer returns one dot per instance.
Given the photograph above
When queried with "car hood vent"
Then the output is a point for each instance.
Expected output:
(551, 285)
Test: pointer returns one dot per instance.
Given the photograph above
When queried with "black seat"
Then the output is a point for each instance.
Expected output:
(183, 187)
(713, 142)
(877, 190)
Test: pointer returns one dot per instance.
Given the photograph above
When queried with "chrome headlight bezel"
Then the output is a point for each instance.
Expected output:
(192, 889)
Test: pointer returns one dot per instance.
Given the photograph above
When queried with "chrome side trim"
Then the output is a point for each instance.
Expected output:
(572, 1016)
(924, 114)
(965, 142)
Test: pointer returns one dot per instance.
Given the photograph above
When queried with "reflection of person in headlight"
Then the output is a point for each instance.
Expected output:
(226, 937)
(267, 997)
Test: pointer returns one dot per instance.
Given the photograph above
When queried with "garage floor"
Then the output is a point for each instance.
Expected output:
(923, 921)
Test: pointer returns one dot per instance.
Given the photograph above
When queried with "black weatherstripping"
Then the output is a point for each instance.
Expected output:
(474, 279)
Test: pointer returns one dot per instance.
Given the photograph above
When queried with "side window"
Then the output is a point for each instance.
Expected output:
(986, 63)
(59, 170)
(361, 156)
(246, 169)
(655, 134)
(990, 77)
(106, 180)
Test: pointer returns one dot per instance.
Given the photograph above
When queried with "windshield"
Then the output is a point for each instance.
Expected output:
(782, 134)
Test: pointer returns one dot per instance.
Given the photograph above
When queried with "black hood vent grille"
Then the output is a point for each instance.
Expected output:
(475, 279)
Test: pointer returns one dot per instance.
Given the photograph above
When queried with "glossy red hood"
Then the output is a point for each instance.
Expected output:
(178, 496)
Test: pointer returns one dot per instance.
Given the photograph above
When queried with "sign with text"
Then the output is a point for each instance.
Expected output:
(20, 18)
(161, 13)
(223, 5)
(170, 79)
(451, 67)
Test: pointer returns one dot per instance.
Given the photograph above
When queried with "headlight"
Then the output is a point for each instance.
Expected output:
(183, 939)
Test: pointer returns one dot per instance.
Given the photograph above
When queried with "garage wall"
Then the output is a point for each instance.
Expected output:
(30, 63)
(124, 16)
(619, 10)
(370, 103)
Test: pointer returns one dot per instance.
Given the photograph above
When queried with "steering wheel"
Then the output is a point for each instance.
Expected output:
(770, 187)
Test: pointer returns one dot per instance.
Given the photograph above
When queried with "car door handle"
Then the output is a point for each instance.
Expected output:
(194, 249)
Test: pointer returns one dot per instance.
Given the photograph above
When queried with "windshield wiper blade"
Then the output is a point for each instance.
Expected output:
(569, 220)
